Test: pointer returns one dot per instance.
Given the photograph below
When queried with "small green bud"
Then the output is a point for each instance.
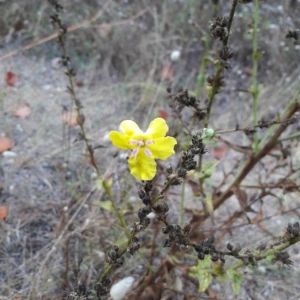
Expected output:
(207, 133)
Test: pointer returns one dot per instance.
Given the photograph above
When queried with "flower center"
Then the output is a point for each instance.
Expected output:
(141, 143)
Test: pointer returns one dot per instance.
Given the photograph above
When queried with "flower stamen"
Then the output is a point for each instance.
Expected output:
(148, 153)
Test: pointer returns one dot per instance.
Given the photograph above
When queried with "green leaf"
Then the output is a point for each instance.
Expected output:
(236, 278)
(99, 183)
(270, 257)
(209, 203)
(207, 169)
(121, 241)
(203, 273)
(219, 271)
(104, 204)
(205, 279)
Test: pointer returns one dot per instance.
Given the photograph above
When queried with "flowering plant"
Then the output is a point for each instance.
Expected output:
(145, 146)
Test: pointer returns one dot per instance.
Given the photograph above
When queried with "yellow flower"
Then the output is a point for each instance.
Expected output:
(145, 146)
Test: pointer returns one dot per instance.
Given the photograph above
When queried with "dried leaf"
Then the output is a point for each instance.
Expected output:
(219, 152)
(79, 83)
(70, 118)
(163, 114)
(5, 144)
(3, 212)
(259, 216)
(22, 112)
(194, 186)
(18, 25)
(11, 79)
(166, 72)
(241, 196)
(105, 31)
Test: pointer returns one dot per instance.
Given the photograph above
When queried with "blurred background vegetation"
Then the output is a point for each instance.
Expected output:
(121, 51)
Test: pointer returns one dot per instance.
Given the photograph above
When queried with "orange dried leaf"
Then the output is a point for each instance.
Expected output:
(194, 186)
(5, 144)
(79, 83)
(22, 112)
(105, 31)
(166, 72)
(241, 196)
(219, 152)
(3, 212)
(11, 79)
(259, 216)
(163, 114)
(70, 118)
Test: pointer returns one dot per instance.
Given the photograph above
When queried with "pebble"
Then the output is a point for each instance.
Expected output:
(175, 55)
(9, 154)
(120, 289)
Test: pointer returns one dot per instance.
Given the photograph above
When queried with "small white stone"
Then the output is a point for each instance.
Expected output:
(106, 137)
(273, 26)
(262, 269)
(10, 161)
(133, 199)
(120, 289)
(19, 127)
(280, 7)
(123, 155)
(47, 87)
(175, 55)
(56, 63)
(9, 154)
(94, 175)
(100, 254)
(151, 216)
(60, 89)
(178, 284)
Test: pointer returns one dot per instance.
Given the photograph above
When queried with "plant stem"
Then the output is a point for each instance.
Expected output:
(182, 204)
(270, 252)
(255, 58)
(230, 19)
(217, 75)
(253, 160)
(271, 129)
(201, 77)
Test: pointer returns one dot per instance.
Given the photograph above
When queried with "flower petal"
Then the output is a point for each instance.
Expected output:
(130, 128)
(163, 147)
(142, 167)
(157, 129)
(119, 140)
